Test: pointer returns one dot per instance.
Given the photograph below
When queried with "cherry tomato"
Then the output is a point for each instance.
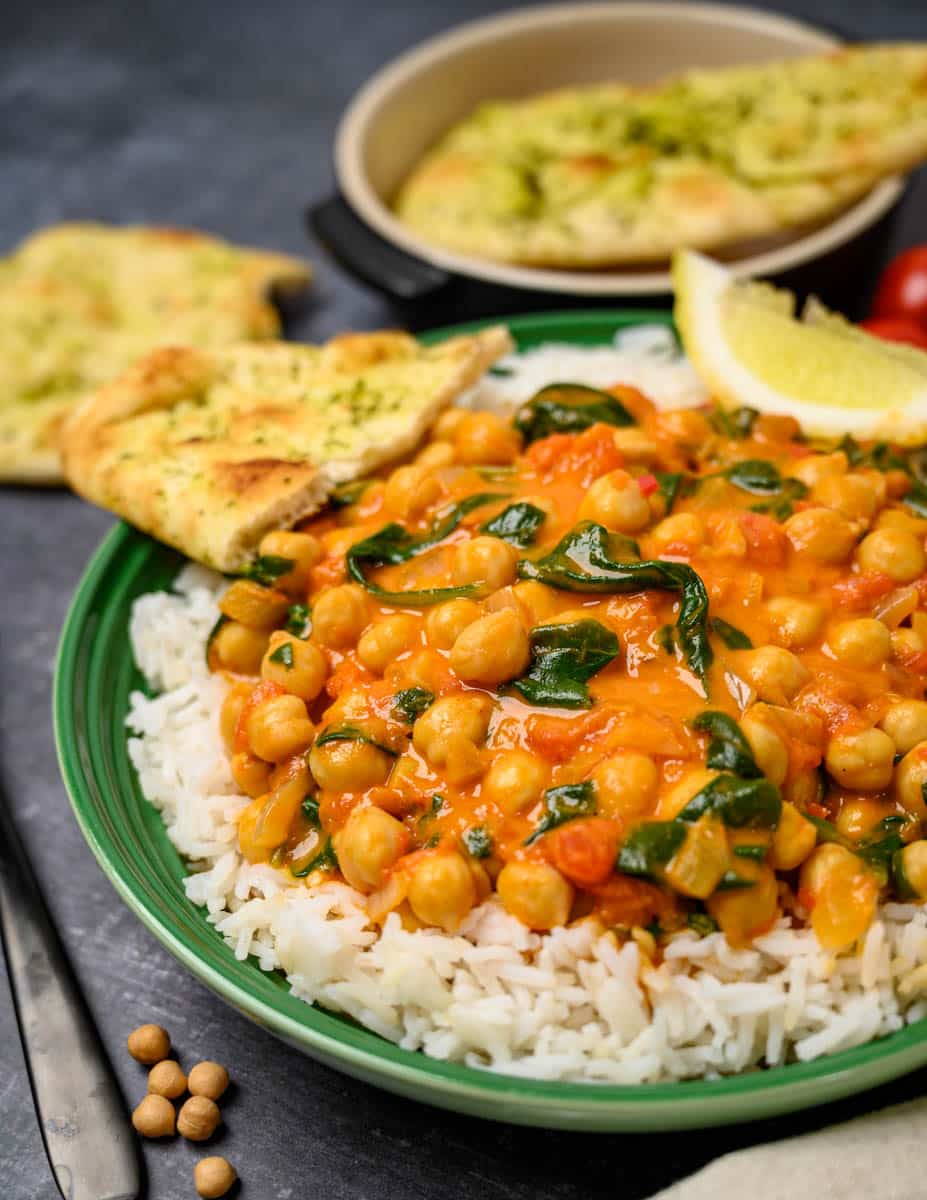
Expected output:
(902, 289)
(897, 329)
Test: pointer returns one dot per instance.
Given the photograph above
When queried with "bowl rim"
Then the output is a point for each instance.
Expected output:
(593, 1106)
(366, 203)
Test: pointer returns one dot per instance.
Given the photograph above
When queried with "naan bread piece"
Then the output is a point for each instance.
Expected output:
(208, 450)
(611, 176)
(80, 302)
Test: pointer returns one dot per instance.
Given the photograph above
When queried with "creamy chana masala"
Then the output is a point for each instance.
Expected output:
(663, 667)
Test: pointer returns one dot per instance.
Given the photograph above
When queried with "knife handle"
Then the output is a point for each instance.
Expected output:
(82, 1116)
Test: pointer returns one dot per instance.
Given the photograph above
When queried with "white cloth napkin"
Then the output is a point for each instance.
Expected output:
(881, 1156)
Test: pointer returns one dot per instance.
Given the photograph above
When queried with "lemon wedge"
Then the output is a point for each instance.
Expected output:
(751, 349)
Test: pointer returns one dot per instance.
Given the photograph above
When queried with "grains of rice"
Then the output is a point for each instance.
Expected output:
(572, 1004)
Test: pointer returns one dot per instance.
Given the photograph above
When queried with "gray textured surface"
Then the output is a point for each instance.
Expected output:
(221, 115)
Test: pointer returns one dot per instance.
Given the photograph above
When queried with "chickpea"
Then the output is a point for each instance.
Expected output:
(816, 467)
(446, 622)
(154, 1117)
(635, 445)
(238, 648)
(442, 890)
(896, 553)
(302, 549)
(410, 490)
(515, 780)
(536, 893)
(626, 784)
(298, 666)
(905, 644)
(340, 615)
(278, 728)
(910, 777)
(251, 774)
(534, 602)
(856, 496)
(368, 845)
(149, 1044)
(446, 424)
(167, 1079)
(198, 1119)
(349, 766)
(861, 761)
(253, 605)
(385, 640)
(492, 649)
(208, 1079)
(914, 867)
(863, 644)
(775, 674)
(684, 426)
(906, 724)
(769, 749)
(466, 716)
(213, 1177)
(483, 437)
(797, 622)
(229, 713)
(821, 534)
(857, 818)
(485, 560)
(681, 529)
(437, 454)
(616, 501)
(793, 841)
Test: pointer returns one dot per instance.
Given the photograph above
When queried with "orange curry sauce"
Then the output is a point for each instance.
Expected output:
(827, 587)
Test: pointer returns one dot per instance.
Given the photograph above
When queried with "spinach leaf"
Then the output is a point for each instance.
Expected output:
(736, 423)
(563, 658)
(782, 505)
(665, 638)
(879, 850)
(350, 733)
(283, 655)
(211, 637)
(568, 408)
(650, 847)
(348, 493)
(268, 568)
(477, 841)
(882, 457)
(298, 621)
(701, 923)
(564, 803)
(733, 638)
(670, 485)
(411, 702)
(740, 803)
(325, 860)
(755, 852)
(754, 475)
(394, 544)
(518, 524)
(582, 562)
(728, 749)
(310, 810)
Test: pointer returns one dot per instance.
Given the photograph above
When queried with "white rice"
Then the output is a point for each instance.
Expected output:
(573, 1004)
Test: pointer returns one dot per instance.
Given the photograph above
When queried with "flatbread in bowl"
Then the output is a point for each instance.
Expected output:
(80, 302)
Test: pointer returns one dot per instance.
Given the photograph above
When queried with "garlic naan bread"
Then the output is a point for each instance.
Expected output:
(209, 449)
(609, 175)
(80, 302)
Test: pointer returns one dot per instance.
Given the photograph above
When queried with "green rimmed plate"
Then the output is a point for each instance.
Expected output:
(95, 676)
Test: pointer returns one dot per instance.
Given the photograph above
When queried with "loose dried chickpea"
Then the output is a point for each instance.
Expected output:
(149, 1044)
(198, 1119)
(445, 623)
(208, 1079)
(894, 552)
(167, 1079)
(213, 1177)
(492, 650)
(485, 560)
(616, 501)
(154, 1117)
(483, 437)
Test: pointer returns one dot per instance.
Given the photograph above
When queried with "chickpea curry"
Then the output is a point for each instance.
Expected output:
(663, 667)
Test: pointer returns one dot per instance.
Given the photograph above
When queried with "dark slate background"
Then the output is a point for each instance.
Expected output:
(221, 115)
